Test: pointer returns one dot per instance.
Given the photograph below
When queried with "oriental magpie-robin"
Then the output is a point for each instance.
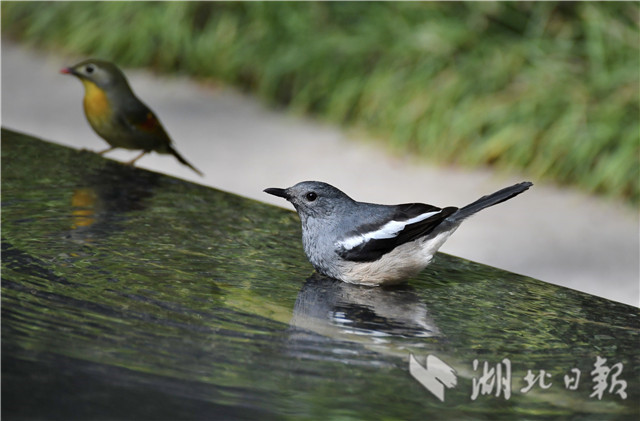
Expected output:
(371, 244)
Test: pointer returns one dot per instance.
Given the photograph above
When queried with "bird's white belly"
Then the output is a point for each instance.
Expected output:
(396, 266)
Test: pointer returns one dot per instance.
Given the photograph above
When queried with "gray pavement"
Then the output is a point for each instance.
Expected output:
(557, 235)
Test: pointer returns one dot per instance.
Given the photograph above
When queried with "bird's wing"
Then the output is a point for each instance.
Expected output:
(408, 222)
(143, 122)
(150, 134)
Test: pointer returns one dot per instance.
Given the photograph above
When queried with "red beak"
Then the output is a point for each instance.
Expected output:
(66, 71)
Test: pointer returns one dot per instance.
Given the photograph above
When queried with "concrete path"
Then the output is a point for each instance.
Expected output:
(557, 235)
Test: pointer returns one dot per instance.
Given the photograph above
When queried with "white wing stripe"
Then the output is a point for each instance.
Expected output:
(388, 230)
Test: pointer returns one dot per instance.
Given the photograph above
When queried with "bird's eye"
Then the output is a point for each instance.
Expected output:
(90, 68)
(311, 196)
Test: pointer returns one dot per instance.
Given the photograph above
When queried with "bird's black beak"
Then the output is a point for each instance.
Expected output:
(277, 192)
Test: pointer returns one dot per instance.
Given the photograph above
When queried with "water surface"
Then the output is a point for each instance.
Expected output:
(132, 295)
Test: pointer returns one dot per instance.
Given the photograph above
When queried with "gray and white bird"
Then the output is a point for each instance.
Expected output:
(371, 244)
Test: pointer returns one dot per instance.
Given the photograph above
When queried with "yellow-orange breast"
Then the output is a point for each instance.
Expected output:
(96, 106)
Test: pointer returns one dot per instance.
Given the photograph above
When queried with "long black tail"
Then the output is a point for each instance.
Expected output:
(184, 161)
(490, 200)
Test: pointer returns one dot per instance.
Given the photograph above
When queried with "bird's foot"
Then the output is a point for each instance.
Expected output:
(133, 161)
(105, 151)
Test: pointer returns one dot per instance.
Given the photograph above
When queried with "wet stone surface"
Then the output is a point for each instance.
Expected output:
(132, 295)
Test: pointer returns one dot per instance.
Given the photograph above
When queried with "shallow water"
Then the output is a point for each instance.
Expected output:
(132, 295)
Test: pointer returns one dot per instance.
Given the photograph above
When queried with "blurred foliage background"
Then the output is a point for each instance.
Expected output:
(548, 89)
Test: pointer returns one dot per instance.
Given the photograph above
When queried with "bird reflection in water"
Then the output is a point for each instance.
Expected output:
(83, 204)
(335, 308)
(101, 202)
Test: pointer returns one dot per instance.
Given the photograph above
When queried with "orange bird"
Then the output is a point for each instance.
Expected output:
(117, 115)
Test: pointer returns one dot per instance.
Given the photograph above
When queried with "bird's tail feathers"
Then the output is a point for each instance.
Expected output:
(490, 200)
(184, 161)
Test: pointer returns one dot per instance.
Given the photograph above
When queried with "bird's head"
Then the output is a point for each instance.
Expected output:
(102, 73)
(313, 198)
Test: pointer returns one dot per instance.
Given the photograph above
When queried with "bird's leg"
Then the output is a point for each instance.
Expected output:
(106, 150)
(133, 161)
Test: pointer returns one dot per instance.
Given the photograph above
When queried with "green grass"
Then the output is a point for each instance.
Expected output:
(548, 89)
